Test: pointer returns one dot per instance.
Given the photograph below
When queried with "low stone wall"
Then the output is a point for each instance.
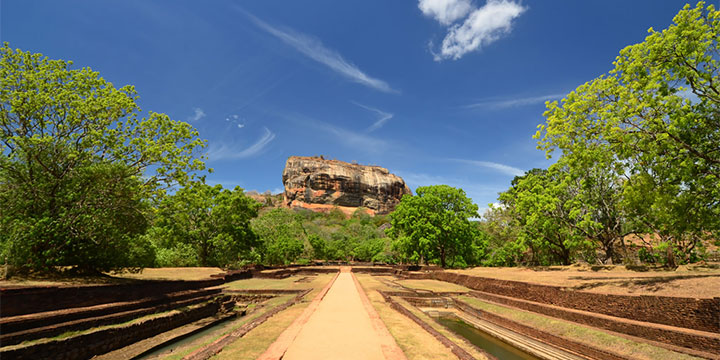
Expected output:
(457, 350)
(281, 274)
(20, 301)
(562, 342)
(15, 324)
(679, 338)
(374, 270)
(7, 338)
(99, 342)
(698, 314)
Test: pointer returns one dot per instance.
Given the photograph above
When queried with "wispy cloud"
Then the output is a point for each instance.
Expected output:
(445, 11)
(356, 140)
(482, 26)
(510, 103)
(314, 49)
(198, 114)
(502, 168)
(223, 151)
(383, 117)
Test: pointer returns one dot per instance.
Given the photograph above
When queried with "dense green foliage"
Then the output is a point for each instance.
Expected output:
(435, 225)
(79, 166)
(302, 236)
(205, 225)
(640, 154)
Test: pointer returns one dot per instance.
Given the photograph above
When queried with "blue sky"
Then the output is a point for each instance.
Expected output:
(437, 91)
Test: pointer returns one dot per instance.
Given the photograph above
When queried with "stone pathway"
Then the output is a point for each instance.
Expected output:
(342, 325)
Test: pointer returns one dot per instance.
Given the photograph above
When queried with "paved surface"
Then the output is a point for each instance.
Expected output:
(340, 327)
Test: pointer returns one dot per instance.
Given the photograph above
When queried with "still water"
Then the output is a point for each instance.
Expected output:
(484, 341)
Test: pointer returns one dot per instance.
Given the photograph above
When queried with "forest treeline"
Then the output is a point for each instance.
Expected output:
(88, 180)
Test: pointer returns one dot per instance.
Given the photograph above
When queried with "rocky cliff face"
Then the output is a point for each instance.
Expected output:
(320, 185)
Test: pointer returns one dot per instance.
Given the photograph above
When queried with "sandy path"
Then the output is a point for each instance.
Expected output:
(342, 327)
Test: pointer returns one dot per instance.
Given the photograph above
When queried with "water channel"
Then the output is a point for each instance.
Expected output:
(491, 345)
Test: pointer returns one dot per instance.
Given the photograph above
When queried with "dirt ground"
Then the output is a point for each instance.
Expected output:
(684, 282)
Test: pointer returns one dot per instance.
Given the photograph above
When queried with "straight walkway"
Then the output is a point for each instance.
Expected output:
(343, 326)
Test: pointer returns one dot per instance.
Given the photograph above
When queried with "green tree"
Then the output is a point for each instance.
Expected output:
(501, 229)
(282, 236)
(212, 221)
(539, 202)
(657, 111)
(434, 224)
(79, 165)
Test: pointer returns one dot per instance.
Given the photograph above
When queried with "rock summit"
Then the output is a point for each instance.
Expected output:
(321, 185)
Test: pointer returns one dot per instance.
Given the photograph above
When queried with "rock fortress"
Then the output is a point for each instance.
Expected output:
(321, 185)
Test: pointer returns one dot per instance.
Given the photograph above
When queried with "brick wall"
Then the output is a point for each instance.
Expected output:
(19, 301)
(698, 314)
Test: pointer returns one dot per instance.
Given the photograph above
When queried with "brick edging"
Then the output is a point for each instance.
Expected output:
(461, 353)
(649, 332)
(217, 346)
(389, 347)
(695, 314)
(538, 334)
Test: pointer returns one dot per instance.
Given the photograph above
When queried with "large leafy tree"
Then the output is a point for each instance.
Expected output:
(435, 225)
(541, 205)
(282, 236)
(79, 164)
(211, 221)
(657, 112)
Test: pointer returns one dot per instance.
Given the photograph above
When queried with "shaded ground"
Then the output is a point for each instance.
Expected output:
(703, 283)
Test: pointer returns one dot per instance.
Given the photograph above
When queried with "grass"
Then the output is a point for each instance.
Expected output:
(179, 353)
(579, 333)
(432, 285)
(169, 273)
(72, 333)
(276, 284)
(415, 342)
(254, 343)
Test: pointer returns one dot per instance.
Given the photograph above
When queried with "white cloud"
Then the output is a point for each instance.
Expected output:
(223, 151)
(505, 169)
(510, 103)
(482, 27)
(383, 117)
(198, 114)
(445, 11)
(240, 126)
(314, 49)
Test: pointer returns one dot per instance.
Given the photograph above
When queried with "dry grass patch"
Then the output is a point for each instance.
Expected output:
(579, 333)
(415, 342)
(172, 273)
(286, 283)
(230, 326)
(255, 342)
(432, 285)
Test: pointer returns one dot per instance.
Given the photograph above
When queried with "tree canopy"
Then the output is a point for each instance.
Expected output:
(639, 152)
(80, 164)
(208, 224)
(435, 225)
